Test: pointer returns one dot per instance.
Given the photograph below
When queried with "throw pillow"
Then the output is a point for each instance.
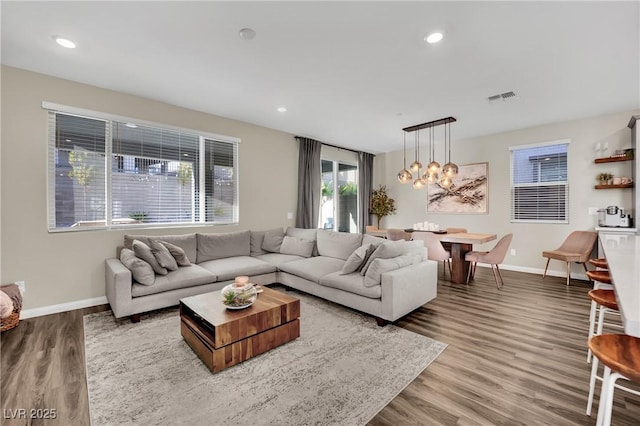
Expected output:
(357, 259)
(379, 266)
(143, 251)
(141, 271)
(297, 246)
(273, 240)
(178, 254)
(162, 255)
(386, 250)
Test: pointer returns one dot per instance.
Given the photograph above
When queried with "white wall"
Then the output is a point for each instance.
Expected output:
(66, 267)
(529, 240)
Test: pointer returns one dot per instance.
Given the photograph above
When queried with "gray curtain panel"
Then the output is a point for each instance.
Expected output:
(309, 183)
(365, 182)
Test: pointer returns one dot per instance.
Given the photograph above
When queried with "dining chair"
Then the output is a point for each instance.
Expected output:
(576, 248)
(435, 250)
(398, 234)
(370, 228)
(494, 258)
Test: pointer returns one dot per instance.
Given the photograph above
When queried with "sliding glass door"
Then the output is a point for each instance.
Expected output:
(339, 205)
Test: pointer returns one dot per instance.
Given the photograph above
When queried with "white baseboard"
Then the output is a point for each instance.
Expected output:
(538, 271)
(62, 307)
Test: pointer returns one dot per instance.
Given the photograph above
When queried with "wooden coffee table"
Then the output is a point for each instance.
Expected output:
(223, 337)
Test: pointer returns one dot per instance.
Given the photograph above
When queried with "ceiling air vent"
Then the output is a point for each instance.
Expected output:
(502, 97)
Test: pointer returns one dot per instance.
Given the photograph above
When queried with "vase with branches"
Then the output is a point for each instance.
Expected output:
(381, 203)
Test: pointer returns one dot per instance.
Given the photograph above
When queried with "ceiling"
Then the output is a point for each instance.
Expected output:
(351, 74)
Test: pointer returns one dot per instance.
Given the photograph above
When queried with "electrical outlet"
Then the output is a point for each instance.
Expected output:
(289, 215)
(593, 211)
(513, 252)
(22, 287)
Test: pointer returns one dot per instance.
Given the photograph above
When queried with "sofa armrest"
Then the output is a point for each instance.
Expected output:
(408, 288)
(118, 283)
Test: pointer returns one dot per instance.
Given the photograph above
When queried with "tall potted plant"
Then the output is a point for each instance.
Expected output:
(381, 204)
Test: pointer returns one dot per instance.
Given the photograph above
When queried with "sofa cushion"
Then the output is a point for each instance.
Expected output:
(273, 240)
(255, 247)
(144, 252)
(385, 250)
(358, 258)
(353, 283)
(223, 245)
(337, 244)
(313, 268)
(186, 242)
(231, 267)
(180, 278)
(141, 271)
(297, 246)
(416, 250)
(374, 241)
(162, 255)
(277, 258)
(178, 254)
(305, 234)
(380, 266)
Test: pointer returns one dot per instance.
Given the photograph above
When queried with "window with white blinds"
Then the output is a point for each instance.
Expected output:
(539, 184)
(107, 172)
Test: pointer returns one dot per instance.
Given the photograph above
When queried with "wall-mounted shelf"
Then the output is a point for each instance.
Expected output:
(624, 185)
(612, 159)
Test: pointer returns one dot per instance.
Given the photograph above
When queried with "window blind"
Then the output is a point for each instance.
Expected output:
(539, 183)
(110, 172)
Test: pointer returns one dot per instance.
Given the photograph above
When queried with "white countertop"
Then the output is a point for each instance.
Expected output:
(610, 229)
(623, 256)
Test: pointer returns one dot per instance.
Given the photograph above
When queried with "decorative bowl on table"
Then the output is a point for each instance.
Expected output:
(239, 295)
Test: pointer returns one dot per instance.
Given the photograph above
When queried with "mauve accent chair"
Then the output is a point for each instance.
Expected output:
(494, 258)
(398, 234)
(435, 250)
(576, 248)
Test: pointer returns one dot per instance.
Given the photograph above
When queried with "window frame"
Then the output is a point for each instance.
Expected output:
(540, 183)
(108, 118)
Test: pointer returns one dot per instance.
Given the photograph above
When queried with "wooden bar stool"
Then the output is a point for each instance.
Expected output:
(620, 355)
(599, 263)
(601, 279)
(606, 299)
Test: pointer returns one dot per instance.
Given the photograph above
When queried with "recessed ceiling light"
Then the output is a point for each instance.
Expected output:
(247, 34)
(434, 37)
(131, 125)
(65, 42)
(282, 109)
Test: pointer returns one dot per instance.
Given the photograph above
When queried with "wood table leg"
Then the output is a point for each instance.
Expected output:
(459, 266)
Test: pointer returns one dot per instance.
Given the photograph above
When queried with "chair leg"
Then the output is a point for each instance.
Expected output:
(449, 264)
(545, 268)
(469, 273)
(592, 325)
(568, 272)
(592, 384)
(584, 265)
(501, 280)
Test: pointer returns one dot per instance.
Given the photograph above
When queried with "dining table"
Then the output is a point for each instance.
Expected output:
(622, 252)
(461, 244)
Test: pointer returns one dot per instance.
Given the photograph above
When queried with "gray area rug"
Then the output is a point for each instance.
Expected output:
(342, 370)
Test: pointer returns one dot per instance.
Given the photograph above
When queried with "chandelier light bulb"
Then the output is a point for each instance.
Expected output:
(404, 176)
(434, 167)
(450, 170)
(445, 181)
(416, 166)
(431, 178)
(418, 183)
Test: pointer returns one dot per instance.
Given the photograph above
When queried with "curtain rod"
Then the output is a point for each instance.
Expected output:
(335, 146)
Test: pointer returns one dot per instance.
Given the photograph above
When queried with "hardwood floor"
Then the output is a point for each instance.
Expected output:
(515, 356)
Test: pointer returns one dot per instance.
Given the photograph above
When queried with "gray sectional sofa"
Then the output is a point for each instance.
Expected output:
(353, 270)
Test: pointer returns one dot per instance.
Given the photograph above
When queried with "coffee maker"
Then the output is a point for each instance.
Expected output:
(613, 217)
